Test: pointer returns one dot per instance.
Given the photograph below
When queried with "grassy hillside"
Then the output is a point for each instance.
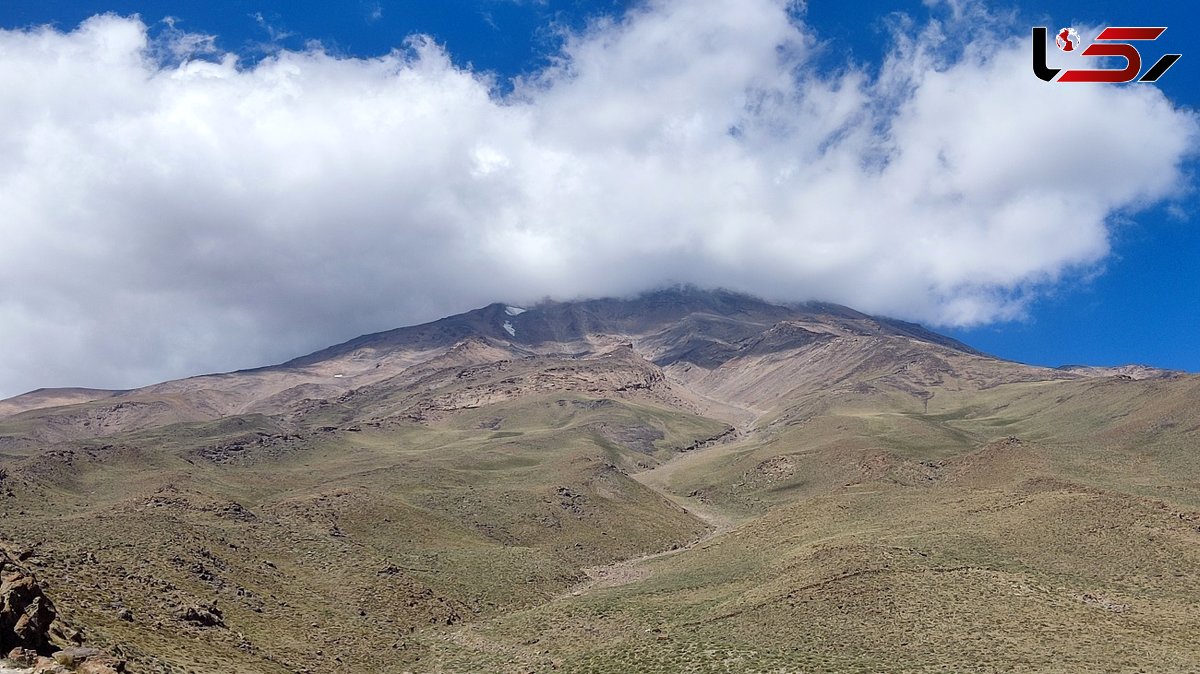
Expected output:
(331, 544)
(1038, 526)
(726, 486)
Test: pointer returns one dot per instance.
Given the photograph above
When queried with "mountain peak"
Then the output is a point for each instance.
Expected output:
(680, 326)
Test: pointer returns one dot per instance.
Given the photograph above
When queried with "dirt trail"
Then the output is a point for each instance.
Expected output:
(634, 569)
(631, 570)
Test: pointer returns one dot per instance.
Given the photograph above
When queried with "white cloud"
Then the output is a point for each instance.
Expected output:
(162, 220)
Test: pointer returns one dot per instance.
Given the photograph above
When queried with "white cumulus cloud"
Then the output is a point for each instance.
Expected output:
(161, 218)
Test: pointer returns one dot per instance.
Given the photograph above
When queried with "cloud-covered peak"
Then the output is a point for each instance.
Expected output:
(165, 216)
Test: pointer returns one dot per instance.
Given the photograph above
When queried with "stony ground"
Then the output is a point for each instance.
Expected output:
(782, 493)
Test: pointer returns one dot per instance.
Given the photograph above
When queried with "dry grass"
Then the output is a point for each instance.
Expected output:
(923, 514)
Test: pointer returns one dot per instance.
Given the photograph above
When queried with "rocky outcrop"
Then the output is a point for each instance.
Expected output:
(25, 612)
(75, 659)
(619, 373)
(204, 615)
(29, 634)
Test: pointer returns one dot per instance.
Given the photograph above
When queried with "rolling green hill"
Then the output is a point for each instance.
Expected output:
(683, 481)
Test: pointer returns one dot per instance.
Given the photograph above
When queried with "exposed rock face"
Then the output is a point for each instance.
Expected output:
(28, 626)
(1122, 371)
(74, 659)
(25, 612)
(87, 661)
(205, 615)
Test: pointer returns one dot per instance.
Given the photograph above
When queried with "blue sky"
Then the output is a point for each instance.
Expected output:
(1144, 305)
(1139, 301)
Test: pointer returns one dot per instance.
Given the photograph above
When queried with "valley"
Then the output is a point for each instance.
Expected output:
(687, 481)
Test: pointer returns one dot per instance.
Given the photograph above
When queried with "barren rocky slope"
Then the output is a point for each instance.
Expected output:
(684, 481)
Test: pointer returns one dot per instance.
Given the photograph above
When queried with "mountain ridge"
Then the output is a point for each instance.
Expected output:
(547, 327)
(690, 478)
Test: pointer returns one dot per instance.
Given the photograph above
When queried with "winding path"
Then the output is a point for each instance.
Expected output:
(633, 569)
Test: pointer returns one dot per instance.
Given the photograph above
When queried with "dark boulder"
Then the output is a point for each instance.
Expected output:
(26, 613)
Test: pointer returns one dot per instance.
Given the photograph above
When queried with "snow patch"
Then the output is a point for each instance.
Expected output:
(514, 311)
(508, 327)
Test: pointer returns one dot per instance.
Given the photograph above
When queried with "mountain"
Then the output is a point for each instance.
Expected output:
(687, 480)
(682, 330)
